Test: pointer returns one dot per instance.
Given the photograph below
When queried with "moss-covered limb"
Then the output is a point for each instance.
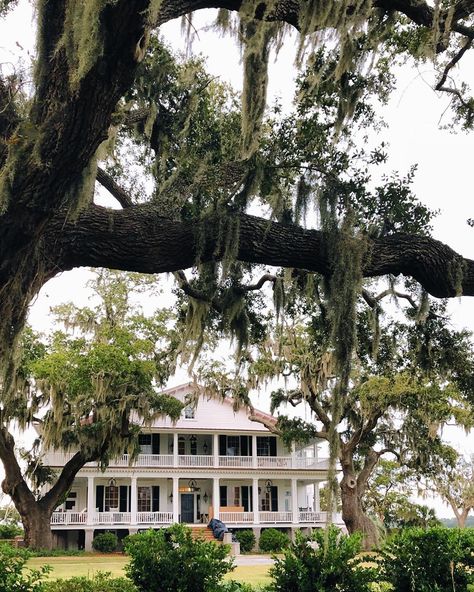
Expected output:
(113, 188)
(289, 11)
(9, 117)
(138, 239)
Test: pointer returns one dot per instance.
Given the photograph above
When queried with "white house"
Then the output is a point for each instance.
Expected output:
(213, 462)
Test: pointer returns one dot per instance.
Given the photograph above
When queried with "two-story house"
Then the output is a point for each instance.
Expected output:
(213, 462)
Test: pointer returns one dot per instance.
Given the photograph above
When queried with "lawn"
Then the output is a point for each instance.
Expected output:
(67, 567)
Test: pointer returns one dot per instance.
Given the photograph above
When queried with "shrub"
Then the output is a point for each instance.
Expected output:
(169, 560)
(100, 582)
(325, 562)
(13, 575)
(9, 531)
(438, 559)
(246, 538)
(273, 540)
(105, 542)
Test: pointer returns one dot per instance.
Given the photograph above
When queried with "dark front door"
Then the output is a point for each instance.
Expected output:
(187, 507)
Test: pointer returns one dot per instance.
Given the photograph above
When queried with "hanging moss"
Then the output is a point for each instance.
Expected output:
(82, 38)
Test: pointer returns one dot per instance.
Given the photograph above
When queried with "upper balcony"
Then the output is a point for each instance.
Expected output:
(189, 451)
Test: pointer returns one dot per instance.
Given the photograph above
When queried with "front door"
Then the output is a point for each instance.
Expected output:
(187, 507)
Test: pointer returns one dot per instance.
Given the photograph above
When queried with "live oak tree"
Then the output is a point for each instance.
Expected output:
(455, 485)
(87, 391)
(85, 89)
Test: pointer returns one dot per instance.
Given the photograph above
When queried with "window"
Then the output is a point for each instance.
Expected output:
(265, 502)
(111, 498)
(181, 445)
(233, 446)
(236, 496)
(71, 501)
(193, 445)
(144, 499)
(189, 412)
(145, 442)
(266, 446)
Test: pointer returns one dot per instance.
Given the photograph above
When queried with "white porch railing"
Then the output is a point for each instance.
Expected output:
(274, 517)
(274, 462)
(310, 516)
(198, 460)
(235, 461)
(154, 517)
(69, 518)
(236, 517)
(112, 518)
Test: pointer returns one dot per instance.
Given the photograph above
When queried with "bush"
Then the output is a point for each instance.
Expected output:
(246, 538)
(13, 575)
(105, 542)
(100, 582)
(169, 560)
(9, 531)
(273, 540)
(325, 562)
(438, 559)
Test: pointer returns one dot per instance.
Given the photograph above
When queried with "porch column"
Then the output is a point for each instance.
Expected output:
(316, 502)
(133, 500)
(175, 450)
(254, 452)
(90, 500)
(215, 497)
(256, 513)
(293, 455)
(215, 449)
(175, 499)
(294, 501)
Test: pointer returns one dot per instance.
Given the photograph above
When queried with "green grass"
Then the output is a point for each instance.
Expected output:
(68, 567)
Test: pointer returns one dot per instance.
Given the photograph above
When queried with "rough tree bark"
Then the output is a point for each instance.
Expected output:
(35, 513)
(353, 487)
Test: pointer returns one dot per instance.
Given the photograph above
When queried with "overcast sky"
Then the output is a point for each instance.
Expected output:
(445, 174)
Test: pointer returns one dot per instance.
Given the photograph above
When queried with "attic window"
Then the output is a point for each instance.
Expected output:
(189, 412)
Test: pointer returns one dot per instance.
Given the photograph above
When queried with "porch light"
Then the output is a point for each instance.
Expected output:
(205, 497)
(268, 486)
(193, 439)
(193, 485)
(112, 482)
(170, 497)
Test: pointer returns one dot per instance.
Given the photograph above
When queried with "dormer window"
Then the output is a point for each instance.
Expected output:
(189, 412)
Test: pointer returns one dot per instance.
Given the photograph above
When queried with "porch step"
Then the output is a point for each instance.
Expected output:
(202, 532)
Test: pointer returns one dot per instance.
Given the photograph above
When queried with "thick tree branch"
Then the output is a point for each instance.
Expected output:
(63, 483)
(114, 188)
(372, 300)
(140, 240)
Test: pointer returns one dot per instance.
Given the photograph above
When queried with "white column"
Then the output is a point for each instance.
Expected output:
(293, 454)
(175, 499)
(175, 450)
(316, 502)
(256, 513)
(254, 452)
(215, 449)
(90, 500)
(215, 497)
(294, 501)
(133, 500)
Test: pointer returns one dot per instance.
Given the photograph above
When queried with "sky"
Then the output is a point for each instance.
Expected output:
(444, 179)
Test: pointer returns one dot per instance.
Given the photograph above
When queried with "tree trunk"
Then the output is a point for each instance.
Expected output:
(352, 490)
(37, 525)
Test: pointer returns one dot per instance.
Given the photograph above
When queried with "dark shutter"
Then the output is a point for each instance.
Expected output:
(99, 498)
(274, 498)
(129, 498)
(123, 490)
(222, 445)
(155, 443)
(251, 498)
(244, 445)
(245, 498)
(223, 495)
(250, 445)
(155, 498)
(273, 446)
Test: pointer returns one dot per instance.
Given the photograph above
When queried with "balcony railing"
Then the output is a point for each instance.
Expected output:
(154, 517)
(59, 459)
(236, 517)
(117, 518)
